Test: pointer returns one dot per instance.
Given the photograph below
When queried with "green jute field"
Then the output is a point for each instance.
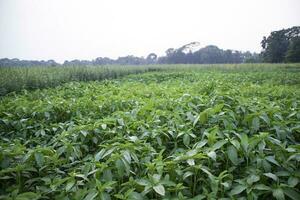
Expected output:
(150, 132)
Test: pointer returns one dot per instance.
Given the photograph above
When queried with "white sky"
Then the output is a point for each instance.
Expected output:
(86, 29)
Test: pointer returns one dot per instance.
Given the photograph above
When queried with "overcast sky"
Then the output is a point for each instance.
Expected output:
(86, 29)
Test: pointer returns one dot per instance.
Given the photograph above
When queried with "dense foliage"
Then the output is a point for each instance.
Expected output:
(5, 62)
(14, 79)
(209, 54)
(282, 46)
(203, 134)
(183, 55)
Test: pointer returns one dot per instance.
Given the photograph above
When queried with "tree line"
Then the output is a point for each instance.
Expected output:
(282, 46)
(279, 46)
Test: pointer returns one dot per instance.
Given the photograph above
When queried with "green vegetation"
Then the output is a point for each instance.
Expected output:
(18, 78)
(15, 79)
(201, 132)
(282, 46)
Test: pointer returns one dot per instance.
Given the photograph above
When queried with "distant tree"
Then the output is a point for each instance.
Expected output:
(5, 62)
(51, 63)
(151, 58)
(130, 60)
(276, 45)
(293, 52)
(252, 58)
(206, 55)
(211, 54)
(188, 48)
(103, 61)
(186, 54)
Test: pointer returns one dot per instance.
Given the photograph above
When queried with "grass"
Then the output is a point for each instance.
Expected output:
(185, 132)
(15, 79)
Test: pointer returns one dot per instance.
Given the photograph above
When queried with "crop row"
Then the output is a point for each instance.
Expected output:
(15, 79)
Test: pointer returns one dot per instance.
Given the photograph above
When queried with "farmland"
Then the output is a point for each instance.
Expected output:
(150, 132)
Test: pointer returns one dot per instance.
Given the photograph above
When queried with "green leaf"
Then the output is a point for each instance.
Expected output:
(109, 185)
(293, 181)
(99, 155)
(244, 142)
(120, 167)
(272, 160)
(290, 150)
(238, 189)
(292, 114)
(191, 162)
(255, 123)
(108, 152)
(207, 172)
(265, 118)
(186, 140)
(47, 115)
(127, 156)
(294, 157)
(28, 196)
(126, 165)
(39, 158)
(190, 116)
(91, 195)
(262, 187)
(218, 144)
(103, 126)
(271, 175)
(135, 196)
(70, 184)
(196, 120)
(191, 152)
(143, 182)
(212, 155)
(232, 154)
(104, 196)
(159, 189)
(156, 178)
(198, 197)
(121, 122)
(200, 144)
(266, 165)
(203, 117)
(226, 185)
(84, 133)
(283, 173)
(217, 108)
(278, 194)
(292, 193)
(107, 175)
(187, 174)
(119, 196)
(252, 179)
(236, 144)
